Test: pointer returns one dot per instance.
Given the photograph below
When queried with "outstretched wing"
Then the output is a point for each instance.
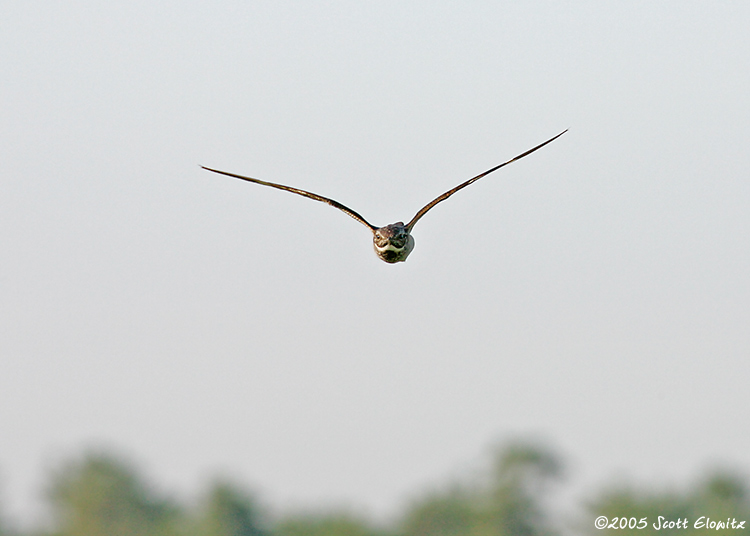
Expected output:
(303, 193)
(449, 193)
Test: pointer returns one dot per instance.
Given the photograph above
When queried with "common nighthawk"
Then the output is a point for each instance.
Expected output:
(394, 242)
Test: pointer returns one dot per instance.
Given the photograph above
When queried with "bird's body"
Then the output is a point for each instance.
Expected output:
(393, 242)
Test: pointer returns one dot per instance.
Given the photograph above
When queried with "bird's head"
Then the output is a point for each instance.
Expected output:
(393, 243)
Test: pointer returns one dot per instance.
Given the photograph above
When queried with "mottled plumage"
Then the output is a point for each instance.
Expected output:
(393, 242)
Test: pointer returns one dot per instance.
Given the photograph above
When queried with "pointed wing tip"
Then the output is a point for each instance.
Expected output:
(212, 170)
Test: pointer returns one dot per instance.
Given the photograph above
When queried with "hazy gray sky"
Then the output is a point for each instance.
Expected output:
(595, 295)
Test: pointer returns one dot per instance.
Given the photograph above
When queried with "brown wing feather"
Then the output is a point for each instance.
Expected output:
(449, 193)
(303, 193)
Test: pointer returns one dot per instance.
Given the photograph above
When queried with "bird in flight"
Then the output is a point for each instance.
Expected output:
(393, 242)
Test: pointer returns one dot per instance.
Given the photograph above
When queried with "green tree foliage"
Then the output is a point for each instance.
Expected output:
(323, 525)
(721, 497)
(510, 504)
(635, 505)
(452, 513)
(228, 511)
(99, 495)
(102, 496)
(521, 476)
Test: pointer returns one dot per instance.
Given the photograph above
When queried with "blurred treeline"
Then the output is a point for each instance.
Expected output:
(99, 494)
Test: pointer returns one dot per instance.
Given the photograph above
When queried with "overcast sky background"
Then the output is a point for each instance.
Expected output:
(595, 295)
